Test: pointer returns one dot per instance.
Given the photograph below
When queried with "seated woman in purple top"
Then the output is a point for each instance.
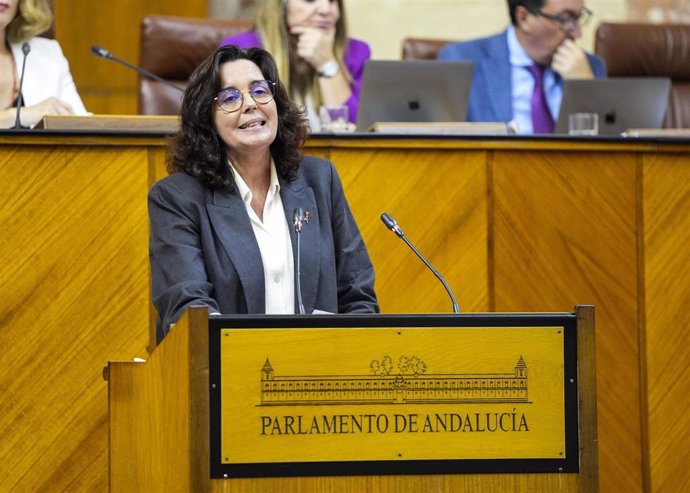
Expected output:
(318, 62)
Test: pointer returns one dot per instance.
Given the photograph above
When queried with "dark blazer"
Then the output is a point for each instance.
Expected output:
(203, 250)
(491, 92)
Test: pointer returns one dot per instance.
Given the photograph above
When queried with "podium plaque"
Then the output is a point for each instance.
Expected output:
(393, 394)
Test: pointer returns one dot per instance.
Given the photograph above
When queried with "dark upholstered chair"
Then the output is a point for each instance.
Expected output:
(172, 47)
(651, 50)
(421, 48)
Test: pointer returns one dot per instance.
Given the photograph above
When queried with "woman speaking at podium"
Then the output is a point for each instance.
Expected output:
(47, 87)
(226, 223)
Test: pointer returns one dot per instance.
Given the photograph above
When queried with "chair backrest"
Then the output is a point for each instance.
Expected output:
(422, 48)
(651, 50)
(172, 47)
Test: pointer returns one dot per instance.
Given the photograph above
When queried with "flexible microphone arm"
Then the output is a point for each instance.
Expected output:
(20, 98)
(103, 53)
(298, 219)
(393, 226)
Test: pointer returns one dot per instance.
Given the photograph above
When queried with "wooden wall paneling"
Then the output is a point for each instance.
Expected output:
(666, 192)
(565, 233)
(107, 87)
(562, 218)
(74, 245)
(440, 202)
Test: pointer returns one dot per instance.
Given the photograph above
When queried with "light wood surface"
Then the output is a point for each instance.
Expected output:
(513, 224)
(159, 124)
(74, 249)
(665, 319)
(565, 230)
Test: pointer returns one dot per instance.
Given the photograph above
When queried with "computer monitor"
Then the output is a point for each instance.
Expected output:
(414, 91)
(621, 103)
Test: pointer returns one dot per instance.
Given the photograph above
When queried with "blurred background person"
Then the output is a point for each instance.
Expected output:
(308, 39)
(221, 223)
(518, 74)
(48, 86)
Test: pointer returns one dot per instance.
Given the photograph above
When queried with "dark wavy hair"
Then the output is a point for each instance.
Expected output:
(198, 150)
(533, 6)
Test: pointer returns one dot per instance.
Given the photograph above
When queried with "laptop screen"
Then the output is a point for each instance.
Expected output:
(621, 103)
(414, 91)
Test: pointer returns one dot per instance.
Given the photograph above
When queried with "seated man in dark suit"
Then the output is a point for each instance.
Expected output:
(518, 74)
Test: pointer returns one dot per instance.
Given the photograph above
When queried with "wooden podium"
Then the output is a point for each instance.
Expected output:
(209, 412)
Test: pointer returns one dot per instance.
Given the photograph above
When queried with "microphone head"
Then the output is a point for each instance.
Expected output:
(388, 220)
(297, 219)
(26, 48)
(101, 52)
(391, 224)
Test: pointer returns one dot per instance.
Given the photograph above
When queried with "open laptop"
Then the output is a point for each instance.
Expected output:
(621, 103)
(414, 91)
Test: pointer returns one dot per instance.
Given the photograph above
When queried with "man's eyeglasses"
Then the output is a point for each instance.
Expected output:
(230, 99)
(569, 21)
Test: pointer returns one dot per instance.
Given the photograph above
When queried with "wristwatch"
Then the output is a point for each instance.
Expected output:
(329, 69)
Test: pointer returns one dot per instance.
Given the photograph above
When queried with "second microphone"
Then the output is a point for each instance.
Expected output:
(393, 226)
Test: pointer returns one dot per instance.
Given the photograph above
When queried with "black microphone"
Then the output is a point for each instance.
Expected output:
(103, 53)
(298, 220)
(393, 226)
(20, 99)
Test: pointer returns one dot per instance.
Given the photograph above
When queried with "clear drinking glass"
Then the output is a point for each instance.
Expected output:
(334, 118)
(583, 124)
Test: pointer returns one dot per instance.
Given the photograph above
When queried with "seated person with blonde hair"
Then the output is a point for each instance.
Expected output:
(308, 39)
(48, 88)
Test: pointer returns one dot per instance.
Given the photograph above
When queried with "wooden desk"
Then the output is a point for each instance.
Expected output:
(513, 224)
